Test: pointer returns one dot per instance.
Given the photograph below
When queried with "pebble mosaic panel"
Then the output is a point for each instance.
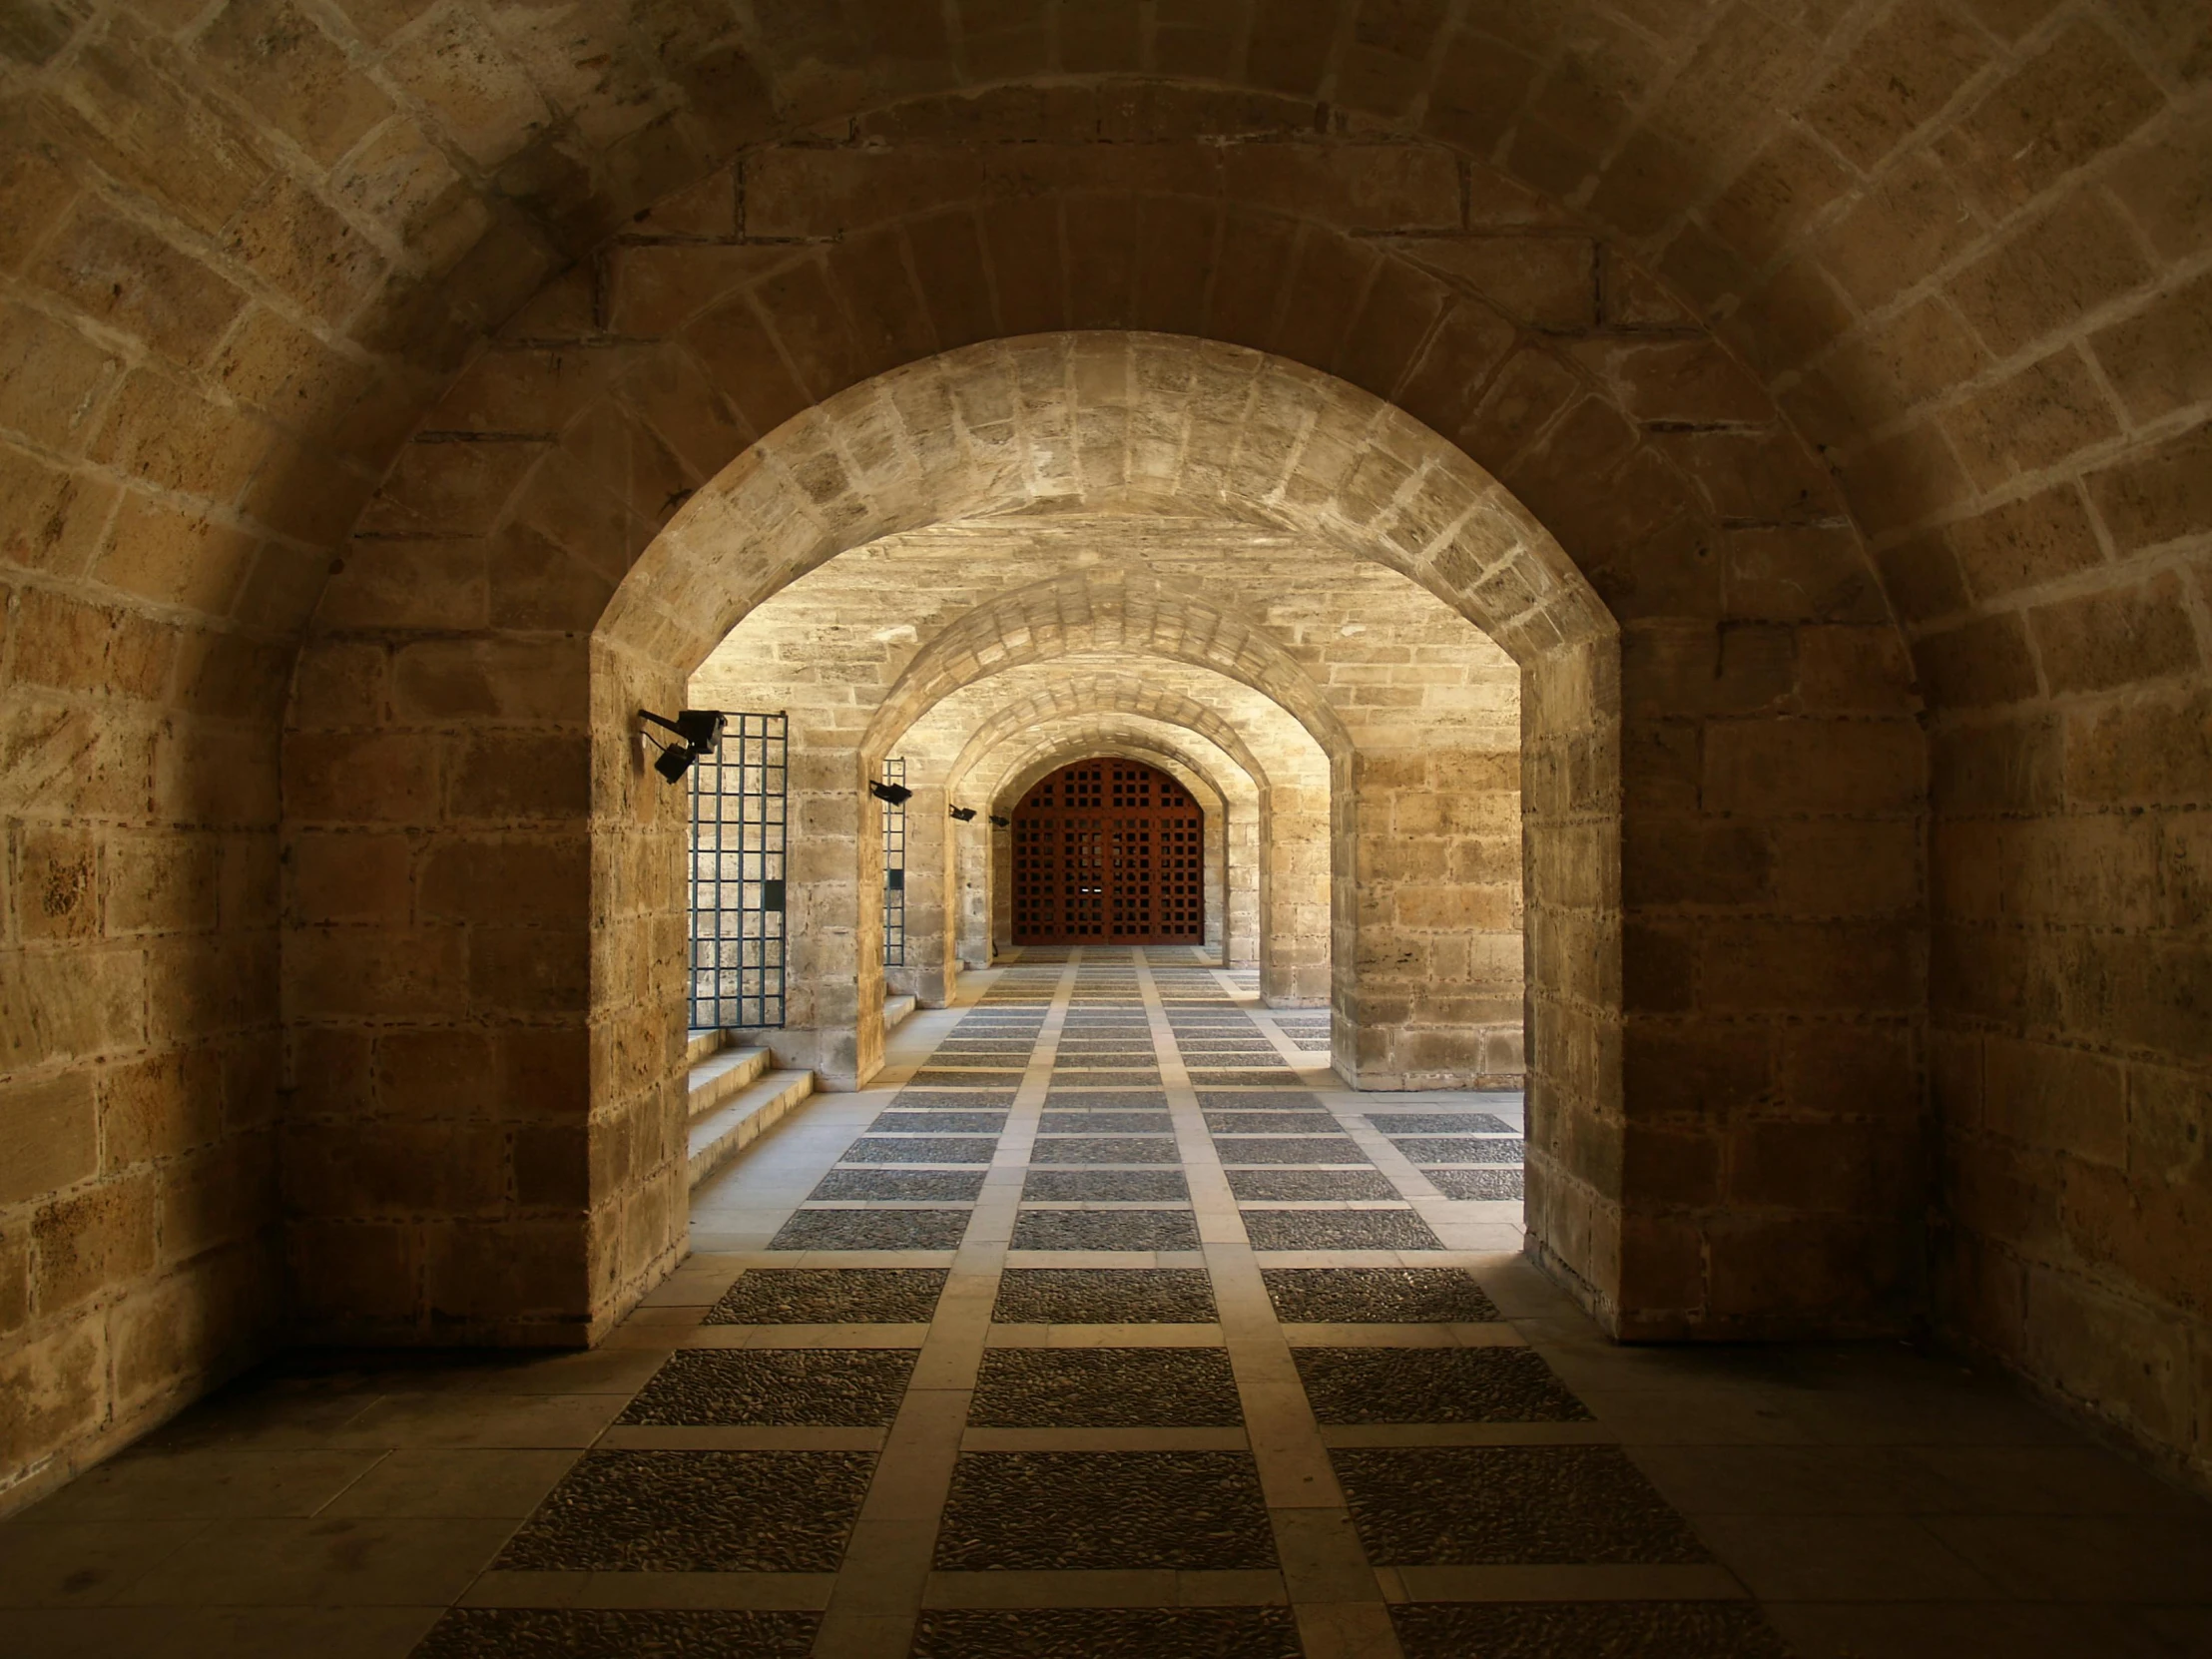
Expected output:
(1434, 1384)
(619, 1633)
(1339, 1230)
(1105, 1387)
(872, 1230)
(1104, 1186)
(696, 1511)
(900, 1185)
(1105, 1229)
(1107, 1633)
(831, 1296)
(1509, 1505)
(1569, 1630)
(1376, 1296)
(1104, 1148)
(1479, 1183)
(1311, 1186)
(824, 1386)
(1104, 1295)
(1192, 1511)
(1475, 1149)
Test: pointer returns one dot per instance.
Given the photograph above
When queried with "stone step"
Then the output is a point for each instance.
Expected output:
(720, 1135)
(703, 1044)
(896, 1009)
(723, 1073)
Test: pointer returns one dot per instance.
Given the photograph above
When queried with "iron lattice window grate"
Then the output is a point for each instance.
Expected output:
(894, 870)
(739, 812)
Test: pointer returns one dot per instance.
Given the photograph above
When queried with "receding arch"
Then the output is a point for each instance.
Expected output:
(1098, 694)
(1100, 612)
(1104, 422)
(1151, 423)
(1226, 798)
(1280, 922)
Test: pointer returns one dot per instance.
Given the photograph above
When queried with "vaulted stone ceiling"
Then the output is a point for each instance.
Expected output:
(1815, 334)
(911, 617)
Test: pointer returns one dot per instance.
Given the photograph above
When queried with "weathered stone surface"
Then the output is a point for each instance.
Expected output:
(316, 333)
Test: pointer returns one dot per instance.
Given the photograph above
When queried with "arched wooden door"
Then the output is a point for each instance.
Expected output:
(1109, 852)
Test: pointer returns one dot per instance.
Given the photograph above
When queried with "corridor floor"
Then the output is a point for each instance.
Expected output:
(1105, 1325)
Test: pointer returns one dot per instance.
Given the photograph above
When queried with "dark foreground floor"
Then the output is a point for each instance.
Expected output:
(1104, 1326)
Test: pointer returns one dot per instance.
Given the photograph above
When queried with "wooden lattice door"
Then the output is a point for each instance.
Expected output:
(1109, 852)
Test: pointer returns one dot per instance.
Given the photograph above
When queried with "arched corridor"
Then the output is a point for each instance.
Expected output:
(1105, 1321)
(1665, 545)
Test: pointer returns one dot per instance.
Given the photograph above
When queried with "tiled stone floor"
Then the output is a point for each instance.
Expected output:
(1106, 1324)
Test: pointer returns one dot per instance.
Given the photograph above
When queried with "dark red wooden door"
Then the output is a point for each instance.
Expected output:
(1109, 852)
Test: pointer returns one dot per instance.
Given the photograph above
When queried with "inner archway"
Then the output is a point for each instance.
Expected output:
(1108, 851)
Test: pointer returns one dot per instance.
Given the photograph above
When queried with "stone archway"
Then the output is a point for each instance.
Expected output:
(1134, 422)
(1232, 795)
(1733, 1006)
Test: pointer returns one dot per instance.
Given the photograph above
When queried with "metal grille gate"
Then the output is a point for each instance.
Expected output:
(894, 870)
(1111, 853)
(739, 813)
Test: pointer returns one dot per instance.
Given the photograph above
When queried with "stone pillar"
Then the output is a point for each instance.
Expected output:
(1295, 947)
(834, 920)
(1433, 991)
(930, 971)
(976, 852)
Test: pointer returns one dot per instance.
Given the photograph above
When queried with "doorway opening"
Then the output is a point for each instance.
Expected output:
(1109, 850)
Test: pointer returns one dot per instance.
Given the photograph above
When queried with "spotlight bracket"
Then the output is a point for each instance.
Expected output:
(963, 814)
(698, 731)
(896, 793)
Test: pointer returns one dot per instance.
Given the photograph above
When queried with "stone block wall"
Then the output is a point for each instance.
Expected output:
(1961, 245)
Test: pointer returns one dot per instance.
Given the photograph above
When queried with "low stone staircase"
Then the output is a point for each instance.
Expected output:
(734, 1097)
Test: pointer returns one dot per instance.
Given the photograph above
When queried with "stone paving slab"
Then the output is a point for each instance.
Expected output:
(872, 1230)
(932, 1149)
(1107, 1633)
(1433, 1385)
(1570, 1630)
(840, 1387)
(1186, 1510)
(831, 1296)
(1064, 1120)
(1105, 1229)
(1479, 1505)
(1472, 1149)
(899, 1185)
(1110, 1388)
(697, 1511)
(1339, 1230)
(1261, 1121)
(1309, 1184)
(1493, 1184)
(1388, 1296)
(1104, 1148)
(909, 1120)
(617, 1633)
(1265, 1150)
(1108, 1186)
(1104, 1295)
(1441, 1123)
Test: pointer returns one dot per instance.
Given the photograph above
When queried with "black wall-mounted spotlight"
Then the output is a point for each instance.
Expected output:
(896, 793)
(697, 731)
(963, 814)
(998, 822)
